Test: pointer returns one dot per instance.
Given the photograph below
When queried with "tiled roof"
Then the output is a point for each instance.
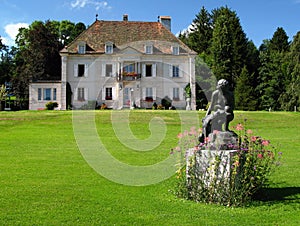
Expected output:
(127, 33)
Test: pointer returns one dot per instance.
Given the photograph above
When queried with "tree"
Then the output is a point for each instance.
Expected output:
(3, 94)
(273, 75)
(38, 55)
(201, 32)
(279, 41)
(291, 97)
(245, 98)
(229, 45)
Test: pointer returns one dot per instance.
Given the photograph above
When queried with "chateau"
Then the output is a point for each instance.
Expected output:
(122, 64)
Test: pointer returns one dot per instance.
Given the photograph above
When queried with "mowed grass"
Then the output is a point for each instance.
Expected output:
(44, 180)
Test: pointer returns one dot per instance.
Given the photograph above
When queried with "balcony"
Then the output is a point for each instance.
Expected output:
(129, 76)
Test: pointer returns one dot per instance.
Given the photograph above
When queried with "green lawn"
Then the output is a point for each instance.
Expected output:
(44, 179)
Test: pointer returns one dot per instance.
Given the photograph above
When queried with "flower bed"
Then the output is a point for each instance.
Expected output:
(226, 174)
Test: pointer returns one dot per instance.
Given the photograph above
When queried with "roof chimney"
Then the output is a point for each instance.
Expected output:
(166, 21)
(125, 17)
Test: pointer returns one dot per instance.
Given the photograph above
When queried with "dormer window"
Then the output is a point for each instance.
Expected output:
(175, 50)
(109, 48)
(148, 49)
(81, 48)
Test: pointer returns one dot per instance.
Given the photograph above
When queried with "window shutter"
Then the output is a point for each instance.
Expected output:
(86, 94)
(154, 70)
(103, 71)
(181, 91)
(144, 93)
(86, 70)
(180, 73)
(171, 70)
(144, 70)
(75, 70)
(171, 91)
(154, 93)
(103, 93)
(114, 70)
(113, 93)
(75, 97)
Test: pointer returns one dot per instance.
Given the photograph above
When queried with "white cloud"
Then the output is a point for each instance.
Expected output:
(77, 4)
(12, 30)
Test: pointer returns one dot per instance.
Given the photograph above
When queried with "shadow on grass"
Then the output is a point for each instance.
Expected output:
(278, 195)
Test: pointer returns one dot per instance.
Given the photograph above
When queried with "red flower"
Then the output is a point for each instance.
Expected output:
(260, 156)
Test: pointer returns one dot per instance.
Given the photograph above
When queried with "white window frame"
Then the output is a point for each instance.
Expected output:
(175, 71)
(109, 48)
(81, 48)
(81, 94)
(175, 50)
(149, 49)
(76, 70)
(176, 93)
(47, 91)
(108, 73)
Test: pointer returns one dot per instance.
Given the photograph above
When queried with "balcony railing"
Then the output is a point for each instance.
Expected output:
(129, 76)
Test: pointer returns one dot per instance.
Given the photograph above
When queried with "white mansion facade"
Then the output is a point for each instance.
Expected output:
(122, 64)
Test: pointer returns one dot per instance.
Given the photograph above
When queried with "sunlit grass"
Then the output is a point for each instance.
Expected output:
(44, 180)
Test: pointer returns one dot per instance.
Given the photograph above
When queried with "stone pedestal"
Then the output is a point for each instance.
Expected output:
(210, 165)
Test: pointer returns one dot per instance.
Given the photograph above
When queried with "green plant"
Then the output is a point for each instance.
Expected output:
(51, 105)
(222, 177)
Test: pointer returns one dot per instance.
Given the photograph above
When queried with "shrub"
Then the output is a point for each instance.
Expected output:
(249, 168)
(51, 105)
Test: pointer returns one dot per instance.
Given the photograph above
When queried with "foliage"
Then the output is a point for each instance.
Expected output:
(225, 178)
(245, 98)
(51, 105)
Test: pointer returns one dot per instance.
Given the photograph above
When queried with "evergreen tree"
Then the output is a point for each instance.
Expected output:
(279, 41)
(201, 32)
(229, 45)
(291, 97)
(245, 98)
(273, 71)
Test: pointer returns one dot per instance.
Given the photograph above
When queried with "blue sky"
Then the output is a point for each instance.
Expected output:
(259, 18)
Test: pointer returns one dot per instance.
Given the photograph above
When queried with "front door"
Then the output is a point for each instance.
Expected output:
(126, 97)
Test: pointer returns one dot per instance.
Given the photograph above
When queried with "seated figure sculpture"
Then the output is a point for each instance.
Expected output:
(220, 111)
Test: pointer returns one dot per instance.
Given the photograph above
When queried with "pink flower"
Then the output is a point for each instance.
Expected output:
(260, 156)
(265, 142)
(249, 131)
(239, 127)
(253, 138)
(206, 140)
(179, 135)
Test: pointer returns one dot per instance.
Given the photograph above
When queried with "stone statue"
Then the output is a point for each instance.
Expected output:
(220, 111)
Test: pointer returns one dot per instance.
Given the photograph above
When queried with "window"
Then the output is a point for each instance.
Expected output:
(149, 94)
(175, 93)
(80, 94)
(39, 94)
(148, 70)
(175, 50)
(148, 49)
(47, 94)
(129, 68)
(81, 71)
(108, 72)
(175, 71)
(54, 93)
(108, 93)
(81, 48)
(109, 48)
